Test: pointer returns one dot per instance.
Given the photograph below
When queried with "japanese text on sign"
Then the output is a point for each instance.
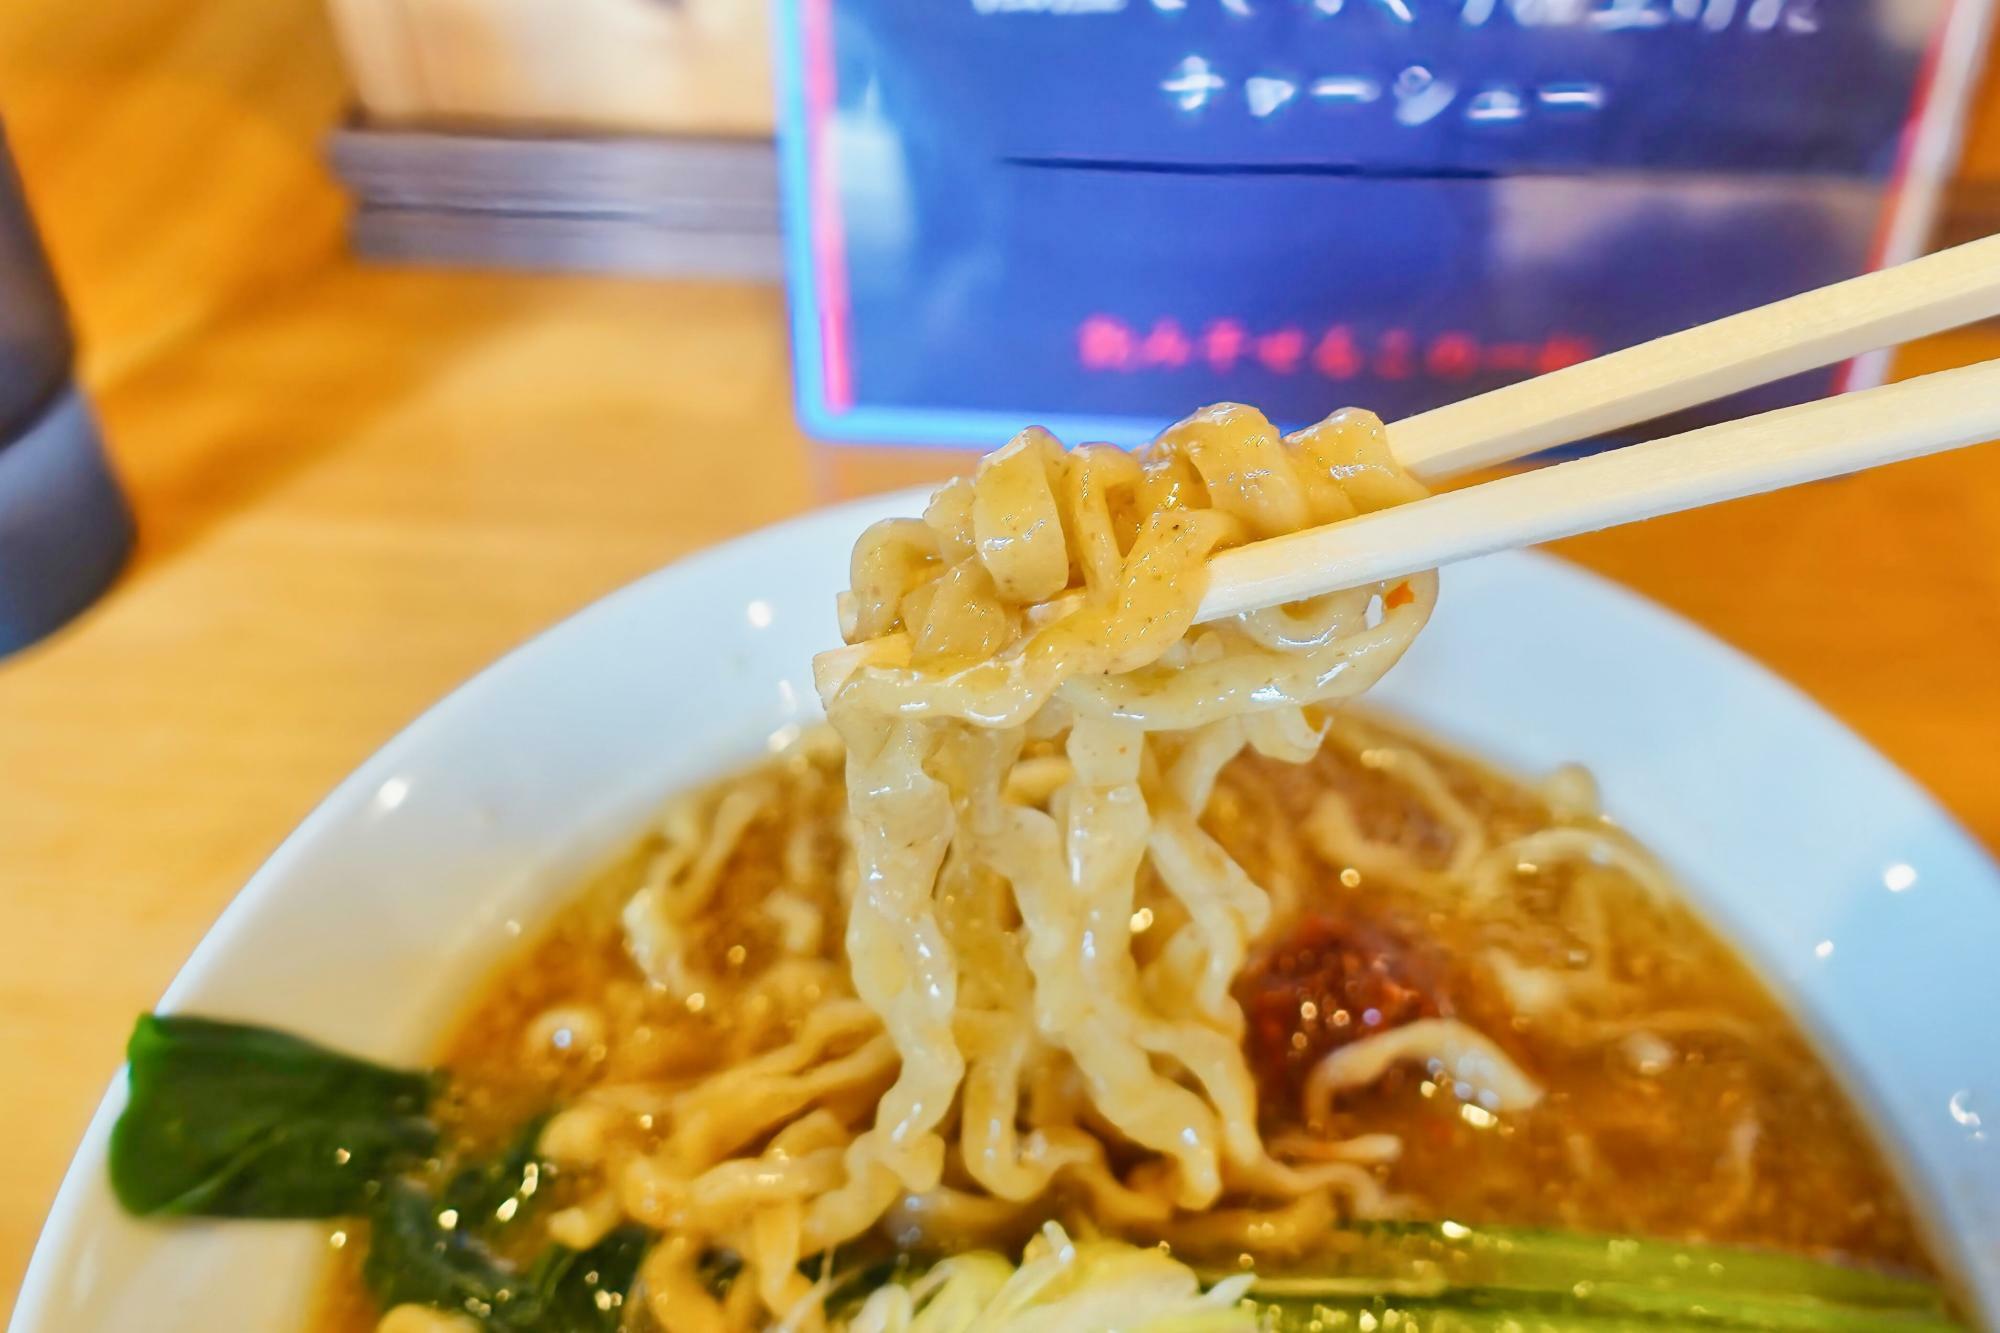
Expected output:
(1337, 352)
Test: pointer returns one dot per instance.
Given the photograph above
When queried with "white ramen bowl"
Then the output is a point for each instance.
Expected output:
(1859, 901)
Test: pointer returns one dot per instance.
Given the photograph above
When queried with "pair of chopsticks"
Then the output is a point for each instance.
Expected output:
(1827, 438)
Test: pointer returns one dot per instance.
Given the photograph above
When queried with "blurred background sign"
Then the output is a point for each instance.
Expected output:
(1092, 213)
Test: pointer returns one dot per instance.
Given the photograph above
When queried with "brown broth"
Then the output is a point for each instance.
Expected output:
(1617, 1146)
(1638, 1134)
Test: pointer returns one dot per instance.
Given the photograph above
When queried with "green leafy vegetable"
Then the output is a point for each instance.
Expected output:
(422, 1253)
(1438, 1277)
(231, 1120)
(584, 1291)
(415, 1259)
(480, 1191)
(1479, 1311)
(1443, 1277)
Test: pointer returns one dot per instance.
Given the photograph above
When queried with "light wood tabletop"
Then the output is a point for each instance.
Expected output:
(356, 487)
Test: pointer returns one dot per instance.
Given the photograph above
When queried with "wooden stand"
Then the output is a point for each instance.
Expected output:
(687, 207)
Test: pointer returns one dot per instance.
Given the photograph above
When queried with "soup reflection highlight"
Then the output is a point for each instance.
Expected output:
(1083, 914)
(1412, 887)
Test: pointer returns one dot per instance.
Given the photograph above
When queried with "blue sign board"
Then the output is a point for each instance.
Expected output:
(1097, 214)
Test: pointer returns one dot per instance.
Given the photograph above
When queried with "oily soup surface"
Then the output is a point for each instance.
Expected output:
(1086, 911)
(1678, 1100)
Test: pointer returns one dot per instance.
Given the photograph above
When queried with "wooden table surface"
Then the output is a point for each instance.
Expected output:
(357, 494)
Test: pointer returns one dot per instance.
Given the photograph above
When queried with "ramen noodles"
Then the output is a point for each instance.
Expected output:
(1085, 929)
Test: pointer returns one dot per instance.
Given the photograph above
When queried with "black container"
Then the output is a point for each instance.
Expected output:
(64, 526)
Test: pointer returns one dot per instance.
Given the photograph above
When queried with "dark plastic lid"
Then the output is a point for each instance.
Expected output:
(65, 529)
(35, 349)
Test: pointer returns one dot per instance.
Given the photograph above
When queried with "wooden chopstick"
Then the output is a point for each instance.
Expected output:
(1826, 438)
(1722, 462)
(1817, 328)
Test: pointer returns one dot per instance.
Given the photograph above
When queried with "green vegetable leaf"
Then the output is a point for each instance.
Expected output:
(584, 1291)
(232, 1120)
(1444, 1277)
(479, 1192)
(421, 1253)
(414, 1258)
